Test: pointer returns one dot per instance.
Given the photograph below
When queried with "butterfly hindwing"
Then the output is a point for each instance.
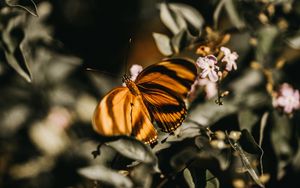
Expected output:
(167, 109)
(142, 127)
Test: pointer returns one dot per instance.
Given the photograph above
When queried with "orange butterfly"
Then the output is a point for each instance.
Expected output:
(157, 94)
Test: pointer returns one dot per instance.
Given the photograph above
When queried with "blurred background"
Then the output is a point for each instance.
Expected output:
(48, 96)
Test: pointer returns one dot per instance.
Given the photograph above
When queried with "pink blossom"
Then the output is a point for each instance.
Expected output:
(209, 67)
(229, 58)
(210, 87)
(287, 98)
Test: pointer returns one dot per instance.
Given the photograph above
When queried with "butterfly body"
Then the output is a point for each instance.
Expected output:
(131, 86)
(157, 95)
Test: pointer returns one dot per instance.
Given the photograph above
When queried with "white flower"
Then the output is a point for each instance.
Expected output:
(229, 58)
(135, 71)
(209, 68)
(287, 98)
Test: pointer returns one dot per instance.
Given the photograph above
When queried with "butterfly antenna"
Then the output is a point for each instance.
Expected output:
(103, 72)
(125, 63)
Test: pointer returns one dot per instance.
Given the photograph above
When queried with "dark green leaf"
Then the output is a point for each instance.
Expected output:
(13, 37)
(266, 37)
(247, 119)
(233, 14)
(190, 14)
(248, 151)
(212, 181)
(172, 20)
(249, 144)
(17, 61)
(263, 124)
(281, 137)
(188, 178)
(141, 175)
(198, 174)
(209, 152)
(134, 149)
(163, 43)
(294, 42)
(105, 175)
(28, 5)
(217, 12)
(208, 113)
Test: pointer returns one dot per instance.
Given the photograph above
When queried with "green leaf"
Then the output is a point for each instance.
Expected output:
(179, 41)
(204, 155)
(249, 144)
(208, 113)
(233, 14)
(28, 5)
(173, 20)
(105, 175)
(281, 138)
(134, 149)
(294, 42)
(212, 181)
(217, 12)
(188, 178)
(13, 37)
(263, 124)
(17, 61)
(190, 14)
(248, 151)
(247, 119)
(142, 175)
(266, 38)
(163, 44)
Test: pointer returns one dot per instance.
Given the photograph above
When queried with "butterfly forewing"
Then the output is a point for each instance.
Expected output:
(121, 113)
(176, 75)
(112, 115)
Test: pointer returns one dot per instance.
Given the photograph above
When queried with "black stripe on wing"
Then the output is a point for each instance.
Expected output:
(167, 109)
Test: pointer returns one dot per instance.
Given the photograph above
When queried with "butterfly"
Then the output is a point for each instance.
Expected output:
(156, 95)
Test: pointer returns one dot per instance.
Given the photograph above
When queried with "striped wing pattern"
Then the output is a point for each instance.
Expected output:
(176, 75)
(121, 113)
(162, 87)
(112, 115)
(168, 110)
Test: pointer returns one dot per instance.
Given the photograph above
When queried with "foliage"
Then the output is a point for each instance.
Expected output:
(48, 98)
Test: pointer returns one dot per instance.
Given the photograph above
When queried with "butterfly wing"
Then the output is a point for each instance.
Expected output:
(112, 115)
(175, 75)
(164, 87)
(121, 113)
(142, 127)
(167, 109)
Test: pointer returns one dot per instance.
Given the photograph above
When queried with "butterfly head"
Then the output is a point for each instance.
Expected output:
(126, 79)
(131, 85)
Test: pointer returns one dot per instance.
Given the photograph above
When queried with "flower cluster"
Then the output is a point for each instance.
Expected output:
(211, 71)
(287, 98)
(209, 67)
